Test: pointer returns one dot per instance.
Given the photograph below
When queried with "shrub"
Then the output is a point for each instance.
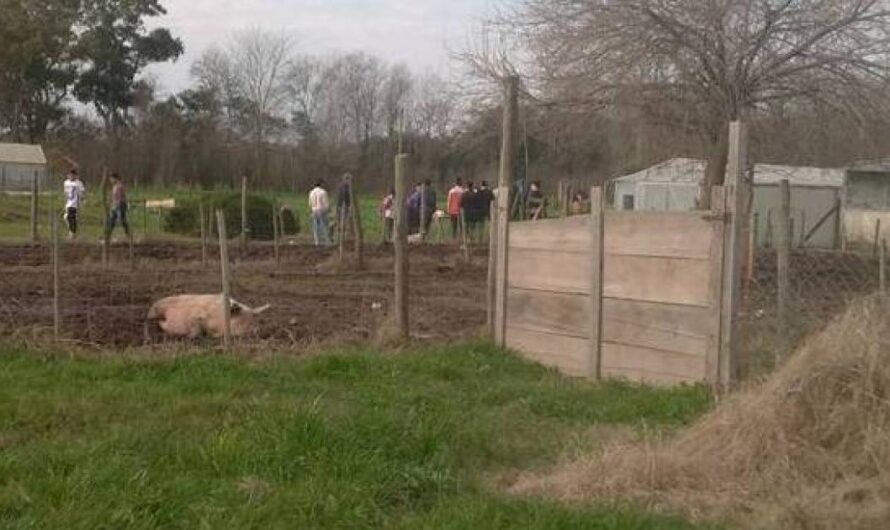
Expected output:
(184, 219)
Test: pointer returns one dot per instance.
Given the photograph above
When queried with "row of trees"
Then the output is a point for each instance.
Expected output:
(610, 87)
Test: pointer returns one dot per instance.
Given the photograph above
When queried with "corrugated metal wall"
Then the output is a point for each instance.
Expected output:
(808, 206)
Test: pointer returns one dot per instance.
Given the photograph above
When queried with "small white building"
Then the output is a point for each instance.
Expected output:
(675, 185)
(20, 165)
(867, 202)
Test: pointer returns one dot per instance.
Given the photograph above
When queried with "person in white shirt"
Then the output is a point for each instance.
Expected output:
(75, 194)
(320, 206)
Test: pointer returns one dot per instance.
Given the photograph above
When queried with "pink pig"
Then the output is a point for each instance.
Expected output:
(193, 316)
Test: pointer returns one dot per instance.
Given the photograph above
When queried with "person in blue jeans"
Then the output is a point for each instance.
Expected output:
(119, 205)
(320, 205)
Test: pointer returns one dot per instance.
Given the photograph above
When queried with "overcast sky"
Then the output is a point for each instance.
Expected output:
(417, 32)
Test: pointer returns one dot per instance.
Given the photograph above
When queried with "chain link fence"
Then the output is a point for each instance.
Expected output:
(821, 284)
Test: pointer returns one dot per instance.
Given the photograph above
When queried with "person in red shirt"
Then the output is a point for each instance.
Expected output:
(455, 195)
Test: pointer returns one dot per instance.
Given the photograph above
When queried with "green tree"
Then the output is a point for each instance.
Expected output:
(36, 67)
(115, 46)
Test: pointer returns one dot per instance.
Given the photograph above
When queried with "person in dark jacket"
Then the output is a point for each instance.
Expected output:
(412, 205)
(472, 208)
(485, 198)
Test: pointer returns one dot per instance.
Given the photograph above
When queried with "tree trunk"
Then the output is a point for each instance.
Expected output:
(715, 170)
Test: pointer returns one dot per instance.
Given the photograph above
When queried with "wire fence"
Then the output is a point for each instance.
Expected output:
(821, 284)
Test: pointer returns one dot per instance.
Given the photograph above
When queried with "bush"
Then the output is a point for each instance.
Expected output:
(184, 219)
(290, 224)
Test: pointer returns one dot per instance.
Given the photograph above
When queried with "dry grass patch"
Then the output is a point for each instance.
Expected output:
(807, 448)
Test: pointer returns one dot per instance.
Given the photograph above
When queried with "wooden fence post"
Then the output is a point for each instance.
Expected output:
(491, 291)
(275, 234)
(244, 224)
(465, 243)
(54, 235)
(882, 267)
(770, 235)
(35, 190)
(717, 259)
(224, 268)
(400, 246)
(203, 235)
(597, 258)
(734, 242)
(783, 248)
(505, 181)
(357, 228)
(877, 241)
(423, 211)
(754, 244)
(106, 213)
(803, 229)
(341, 232)
(838, 225)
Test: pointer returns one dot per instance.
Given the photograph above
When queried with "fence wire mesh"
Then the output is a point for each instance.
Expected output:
(821, 285)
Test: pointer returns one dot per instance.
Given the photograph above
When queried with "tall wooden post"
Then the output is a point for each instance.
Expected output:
(877, 241)
(400, 246)
(244, 224)
(882, 267)
(734, 241)
(505, 182)
(106, 213)
(203, 235)
(35, 191)
(423, 211)
(783, 248)
(357, 228)
(341, 232)
(465, 235)
(491, 291)
(275, 233)
(224, 269)
(838, 225)
(57, 317)
(597, 258)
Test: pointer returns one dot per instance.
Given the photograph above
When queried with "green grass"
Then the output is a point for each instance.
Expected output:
(15, 214)
(348, 440)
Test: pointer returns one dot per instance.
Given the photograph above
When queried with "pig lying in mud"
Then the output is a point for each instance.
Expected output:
(193, 316)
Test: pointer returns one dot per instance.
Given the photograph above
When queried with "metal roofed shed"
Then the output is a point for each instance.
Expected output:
(867, 201)
(675, 185)
(20, 164)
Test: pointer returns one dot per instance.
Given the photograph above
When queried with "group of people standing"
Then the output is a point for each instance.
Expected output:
(467, 203)
(75, 192)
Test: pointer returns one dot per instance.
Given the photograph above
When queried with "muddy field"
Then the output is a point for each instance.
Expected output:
(315, 298)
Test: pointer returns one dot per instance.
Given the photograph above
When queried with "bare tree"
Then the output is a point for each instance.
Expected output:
(359, 89)
(434, 107)
(706, 62)
(259, 63)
